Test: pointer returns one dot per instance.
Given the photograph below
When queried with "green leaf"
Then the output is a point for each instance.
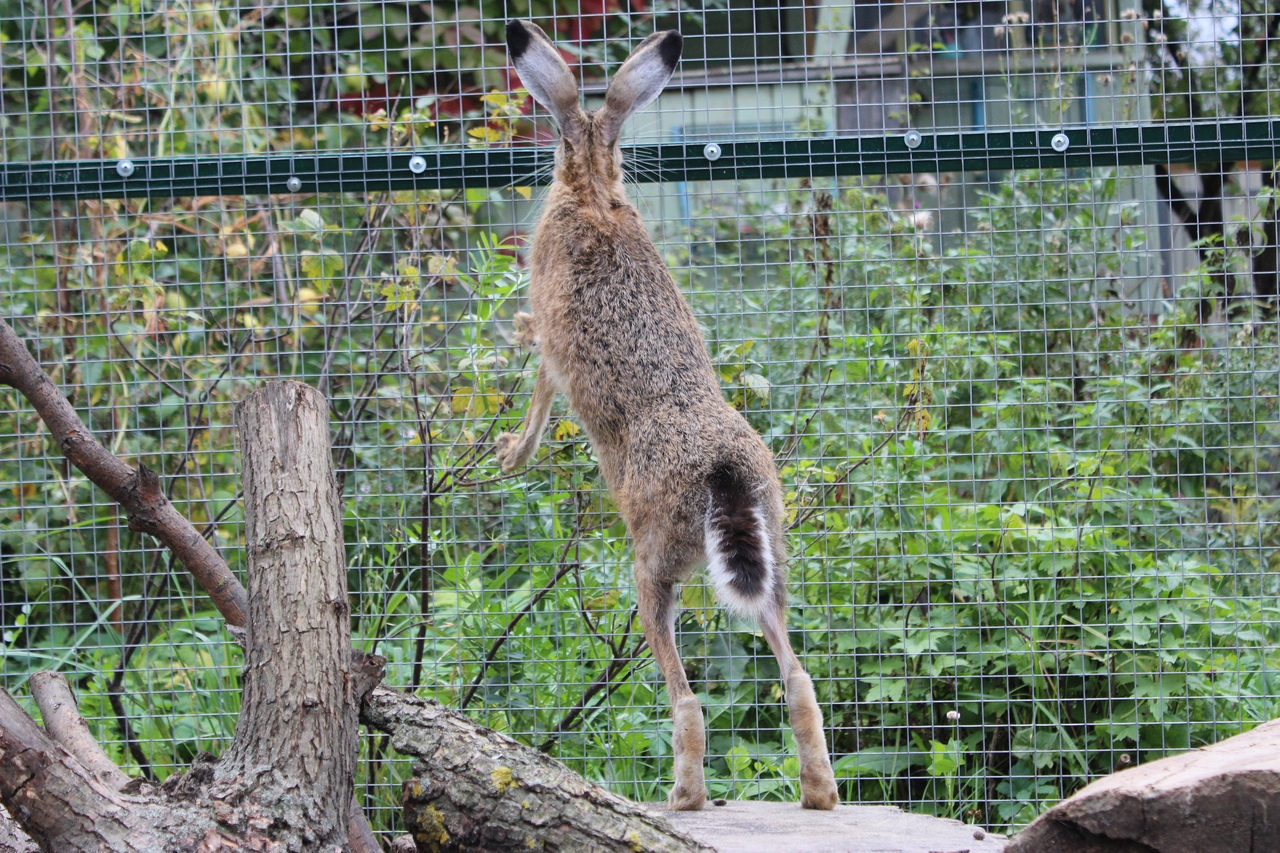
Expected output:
(757, 385)
(320, 269)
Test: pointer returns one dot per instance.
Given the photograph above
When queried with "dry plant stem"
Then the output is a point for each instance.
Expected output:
(137, 491)
(360, 835)
(64, 724)
(565, 568)
(610, 678)
(111, 564)
(373, 226)
(816, 507)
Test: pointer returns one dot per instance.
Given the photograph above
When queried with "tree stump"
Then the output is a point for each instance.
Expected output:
(285, 782)
(1223, 798)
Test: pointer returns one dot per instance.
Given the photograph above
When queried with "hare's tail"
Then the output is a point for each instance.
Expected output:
(740, 557)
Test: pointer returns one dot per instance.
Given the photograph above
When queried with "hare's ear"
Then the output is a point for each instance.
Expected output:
(545, 75)
(640, 79)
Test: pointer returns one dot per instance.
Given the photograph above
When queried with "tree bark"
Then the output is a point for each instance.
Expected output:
(1224, 798)
(55, 800)
(474, 790)
(12, 838)
(299, 714)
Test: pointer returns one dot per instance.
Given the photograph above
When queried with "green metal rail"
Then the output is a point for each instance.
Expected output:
(366, 171)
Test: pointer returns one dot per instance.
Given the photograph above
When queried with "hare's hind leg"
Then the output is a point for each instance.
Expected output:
(817, 782)
(657, 615)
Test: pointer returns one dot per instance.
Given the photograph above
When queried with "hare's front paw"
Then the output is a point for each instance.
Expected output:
(526, 331)
(508, 444)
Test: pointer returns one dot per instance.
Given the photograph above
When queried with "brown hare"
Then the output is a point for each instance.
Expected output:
(694, 483)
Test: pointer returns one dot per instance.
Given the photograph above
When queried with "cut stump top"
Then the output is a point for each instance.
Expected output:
(751, 827)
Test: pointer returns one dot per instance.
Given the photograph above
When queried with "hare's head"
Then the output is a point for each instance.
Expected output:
(588, 154)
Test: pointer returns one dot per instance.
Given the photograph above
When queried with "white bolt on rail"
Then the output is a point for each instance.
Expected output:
(1060, 142)
(124, 168)
(294, 184)
(712, 151)
(417, 164)
(913, 139)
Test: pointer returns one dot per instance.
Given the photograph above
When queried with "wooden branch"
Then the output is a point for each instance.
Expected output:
(64, 724)
(1224, 798)
(299, 715)
(360, 837)
(55, 799)
(138, 492)
(474, 789)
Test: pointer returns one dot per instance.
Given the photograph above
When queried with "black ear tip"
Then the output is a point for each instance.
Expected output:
(670, 47)
(517, 39)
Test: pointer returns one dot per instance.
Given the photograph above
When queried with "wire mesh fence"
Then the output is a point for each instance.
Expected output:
(1021, 386)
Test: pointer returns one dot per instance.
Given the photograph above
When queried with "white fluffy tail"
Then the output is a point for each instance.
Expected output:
(739, 554)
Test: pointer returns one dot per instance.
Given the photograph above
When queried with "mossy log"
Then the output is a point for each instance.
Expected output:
(474, 790)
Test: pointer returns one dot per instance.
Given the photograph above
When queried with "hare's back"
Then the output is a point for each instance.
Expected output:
(621, 337)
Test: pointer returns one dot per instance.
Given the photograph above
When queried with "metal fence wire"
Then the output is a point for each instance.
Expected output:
(996, 281)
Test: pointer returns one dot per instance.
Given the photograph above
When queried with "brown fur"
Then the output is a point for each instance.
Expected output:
(617, 337)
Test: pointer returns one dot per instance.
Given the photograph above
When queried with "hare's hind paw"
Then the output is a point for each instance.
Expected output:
(526, 331)
(819, 791)
(509, 458)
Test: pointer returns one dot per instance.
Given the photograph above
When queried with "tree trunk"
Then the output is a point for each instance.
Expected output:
(476, 791)
(12, 838)
(285, 782)
(299, 713)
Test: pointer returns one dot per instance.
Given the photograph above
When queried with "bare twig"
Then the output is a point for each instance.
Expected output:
(903, 417)
(793, 440)
(111, 564)
(565, 568)
(610, 678)
(364, 252)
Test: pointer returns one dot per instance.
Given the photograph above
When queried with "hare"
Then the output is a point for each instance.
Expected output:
(693, 482)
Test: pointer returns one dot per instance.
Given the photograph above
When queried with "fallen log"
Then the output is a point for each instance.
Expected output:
(1223, 798)
(12, 838)
(475, 790)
